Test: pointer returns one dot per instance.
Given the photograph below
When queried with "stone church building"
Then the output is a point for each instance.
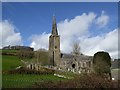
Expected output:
(67, 62)
(64, 62)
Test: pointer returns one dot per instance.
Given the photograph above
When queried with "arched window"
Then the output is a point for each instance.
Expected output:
(55, 47)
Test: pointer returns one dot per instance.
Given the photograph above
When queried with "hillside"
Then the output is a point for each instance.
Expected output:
(40, 56)
(10, 62)
(12, 58)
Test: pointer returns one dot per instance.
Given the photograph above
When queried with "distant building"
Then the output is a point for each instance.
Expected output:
(17, 48)
(115, 63)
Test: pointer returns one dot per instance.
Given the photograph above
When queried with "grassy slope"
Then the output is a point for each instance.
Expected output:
(25, 81)
(10, 62)
(21, 80)
(9, 51)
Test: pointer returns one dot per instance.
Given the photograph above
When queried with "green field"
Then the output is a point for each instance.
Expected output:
(10, 62)
(26, 81)
(21, 80)
(9, 51)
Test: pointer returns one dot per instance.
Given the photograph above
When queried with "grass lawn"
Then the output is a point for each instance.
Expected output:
(10, 62)
(9, 51)
(25, 80)
(21, 80)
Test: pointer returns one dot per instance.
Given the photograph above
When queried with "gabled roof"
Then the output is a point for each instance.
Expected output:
(77, 58)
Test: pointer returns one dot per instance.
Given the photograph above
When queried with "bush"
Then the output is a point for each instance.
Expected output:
(82, 81)
(25, 54)
(102, 63)
(102, 56)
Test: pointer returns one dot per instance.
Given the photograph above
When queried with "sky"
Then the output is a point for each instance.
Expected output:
(93, 25)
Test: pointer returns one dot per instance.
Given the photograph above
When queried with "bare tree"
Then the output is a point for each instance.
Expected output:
(37, 56)
(25, 54)
(41, 56)
(76, 49)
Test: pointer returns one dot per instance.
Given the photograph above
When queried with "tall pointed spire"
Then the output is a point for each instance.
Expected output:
(54, 26)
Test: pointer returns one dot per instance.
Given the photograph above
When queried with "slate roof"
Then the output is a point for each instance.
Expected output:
(78, 58)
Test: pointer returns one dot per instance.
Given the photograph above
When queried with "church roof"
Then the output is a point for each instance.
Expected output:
(78, 58)
(67, 56)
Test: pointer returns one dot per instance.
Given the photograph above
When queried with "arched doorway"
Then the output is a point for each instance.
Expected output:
(73, 65)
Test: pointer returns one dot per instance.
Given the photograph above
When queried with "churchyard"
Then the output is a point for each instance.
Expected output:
(10, 62)
(54, 80)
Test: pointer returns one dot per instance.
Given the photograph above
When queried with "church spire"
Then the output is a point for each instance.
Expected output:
(54, 26)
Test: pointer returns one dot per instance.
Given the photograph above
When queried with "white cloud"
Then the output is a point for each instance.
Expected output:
(8, 34)
(70, 30)
(40, 41)
(107, 42)
(102, 20)
(77, 29)
(76, 26)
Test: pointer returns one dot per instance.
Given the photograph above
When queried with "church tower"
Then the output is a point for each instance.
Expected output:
(54, 45)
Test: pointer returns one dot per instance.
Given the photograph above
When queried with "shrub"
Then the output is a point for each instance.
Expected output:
(102, 63)
(81, 81)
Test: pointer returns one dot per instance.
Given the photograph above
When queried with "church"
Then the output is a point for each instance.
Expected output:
(66, 62)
